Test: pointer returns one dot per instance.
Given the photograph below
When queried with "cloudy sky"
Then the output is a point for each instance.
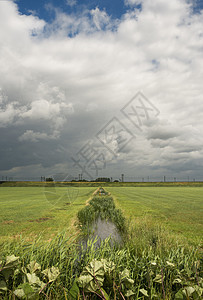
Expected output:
(101, 88)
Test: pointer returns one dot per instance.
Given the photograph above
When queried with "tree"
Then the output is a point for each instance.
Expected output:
(49, 179)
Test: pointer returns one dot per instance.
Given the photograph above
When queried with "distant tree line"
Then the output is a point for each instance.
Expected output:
(99, 179)
(102, 179)
(49, 179)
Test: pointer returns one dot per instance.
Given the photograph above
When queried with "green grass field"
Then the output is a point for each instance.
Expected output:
(31, 210)
(28, 211)
(180, 209)
(161, 262)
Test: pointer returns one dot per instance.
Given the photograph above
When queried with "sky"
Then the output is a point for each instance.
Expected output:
(101, 88)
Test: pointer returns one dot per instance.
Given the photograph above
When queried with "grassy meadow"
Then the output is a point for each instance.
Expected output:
(27, 209)
(30, 211)
(180, 209)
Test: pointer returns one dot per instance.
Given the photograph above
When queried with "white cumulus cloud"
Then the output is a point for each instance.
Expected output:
(71, 2)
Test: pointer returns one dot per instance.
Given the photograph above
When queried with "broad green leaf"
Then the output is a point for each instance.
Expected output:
(33, 279)
(95, 268)
(19, 293)
(144, 292)
(109, 266)
(52, 273)
(11, 261)
(28, 290)
(92, 277)
(74, 291)
(125, 274)
(3, 286)
(94, 285)
(96, 265)
(179, 295)
(129, 293)
(9, 268)
(125, 278)
(84, 280)
(89, 283)
(188, 291)
(33, 267)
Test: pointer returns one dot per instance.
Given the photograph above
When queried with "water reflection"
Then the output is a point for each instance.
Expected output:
(101, 230)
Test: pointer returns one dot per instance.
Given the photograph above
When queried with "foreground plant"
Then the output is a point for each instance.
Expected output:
(25, 282)
(100, 279)
(155, 280)
(149, 264)
(118, 273)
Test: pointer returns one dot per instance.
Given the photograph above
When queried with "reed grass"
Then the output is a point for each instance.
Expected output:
(101, 207)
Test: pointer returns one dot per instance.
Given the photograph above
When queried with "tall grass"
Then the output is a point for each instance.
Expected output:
(101, 207)
(178, 266)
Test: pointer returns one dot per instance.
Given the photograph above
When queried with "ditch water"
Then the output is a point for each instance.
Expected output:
(100, 231)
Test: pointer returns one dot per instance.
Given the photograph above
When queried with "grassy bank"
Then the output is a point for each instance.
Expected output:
(178, 209)
(30, 211)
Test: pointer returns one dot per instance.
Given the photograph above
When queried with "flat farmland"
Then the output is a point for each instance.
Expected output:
(160, 229)
(180, 209)
(30, 211)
